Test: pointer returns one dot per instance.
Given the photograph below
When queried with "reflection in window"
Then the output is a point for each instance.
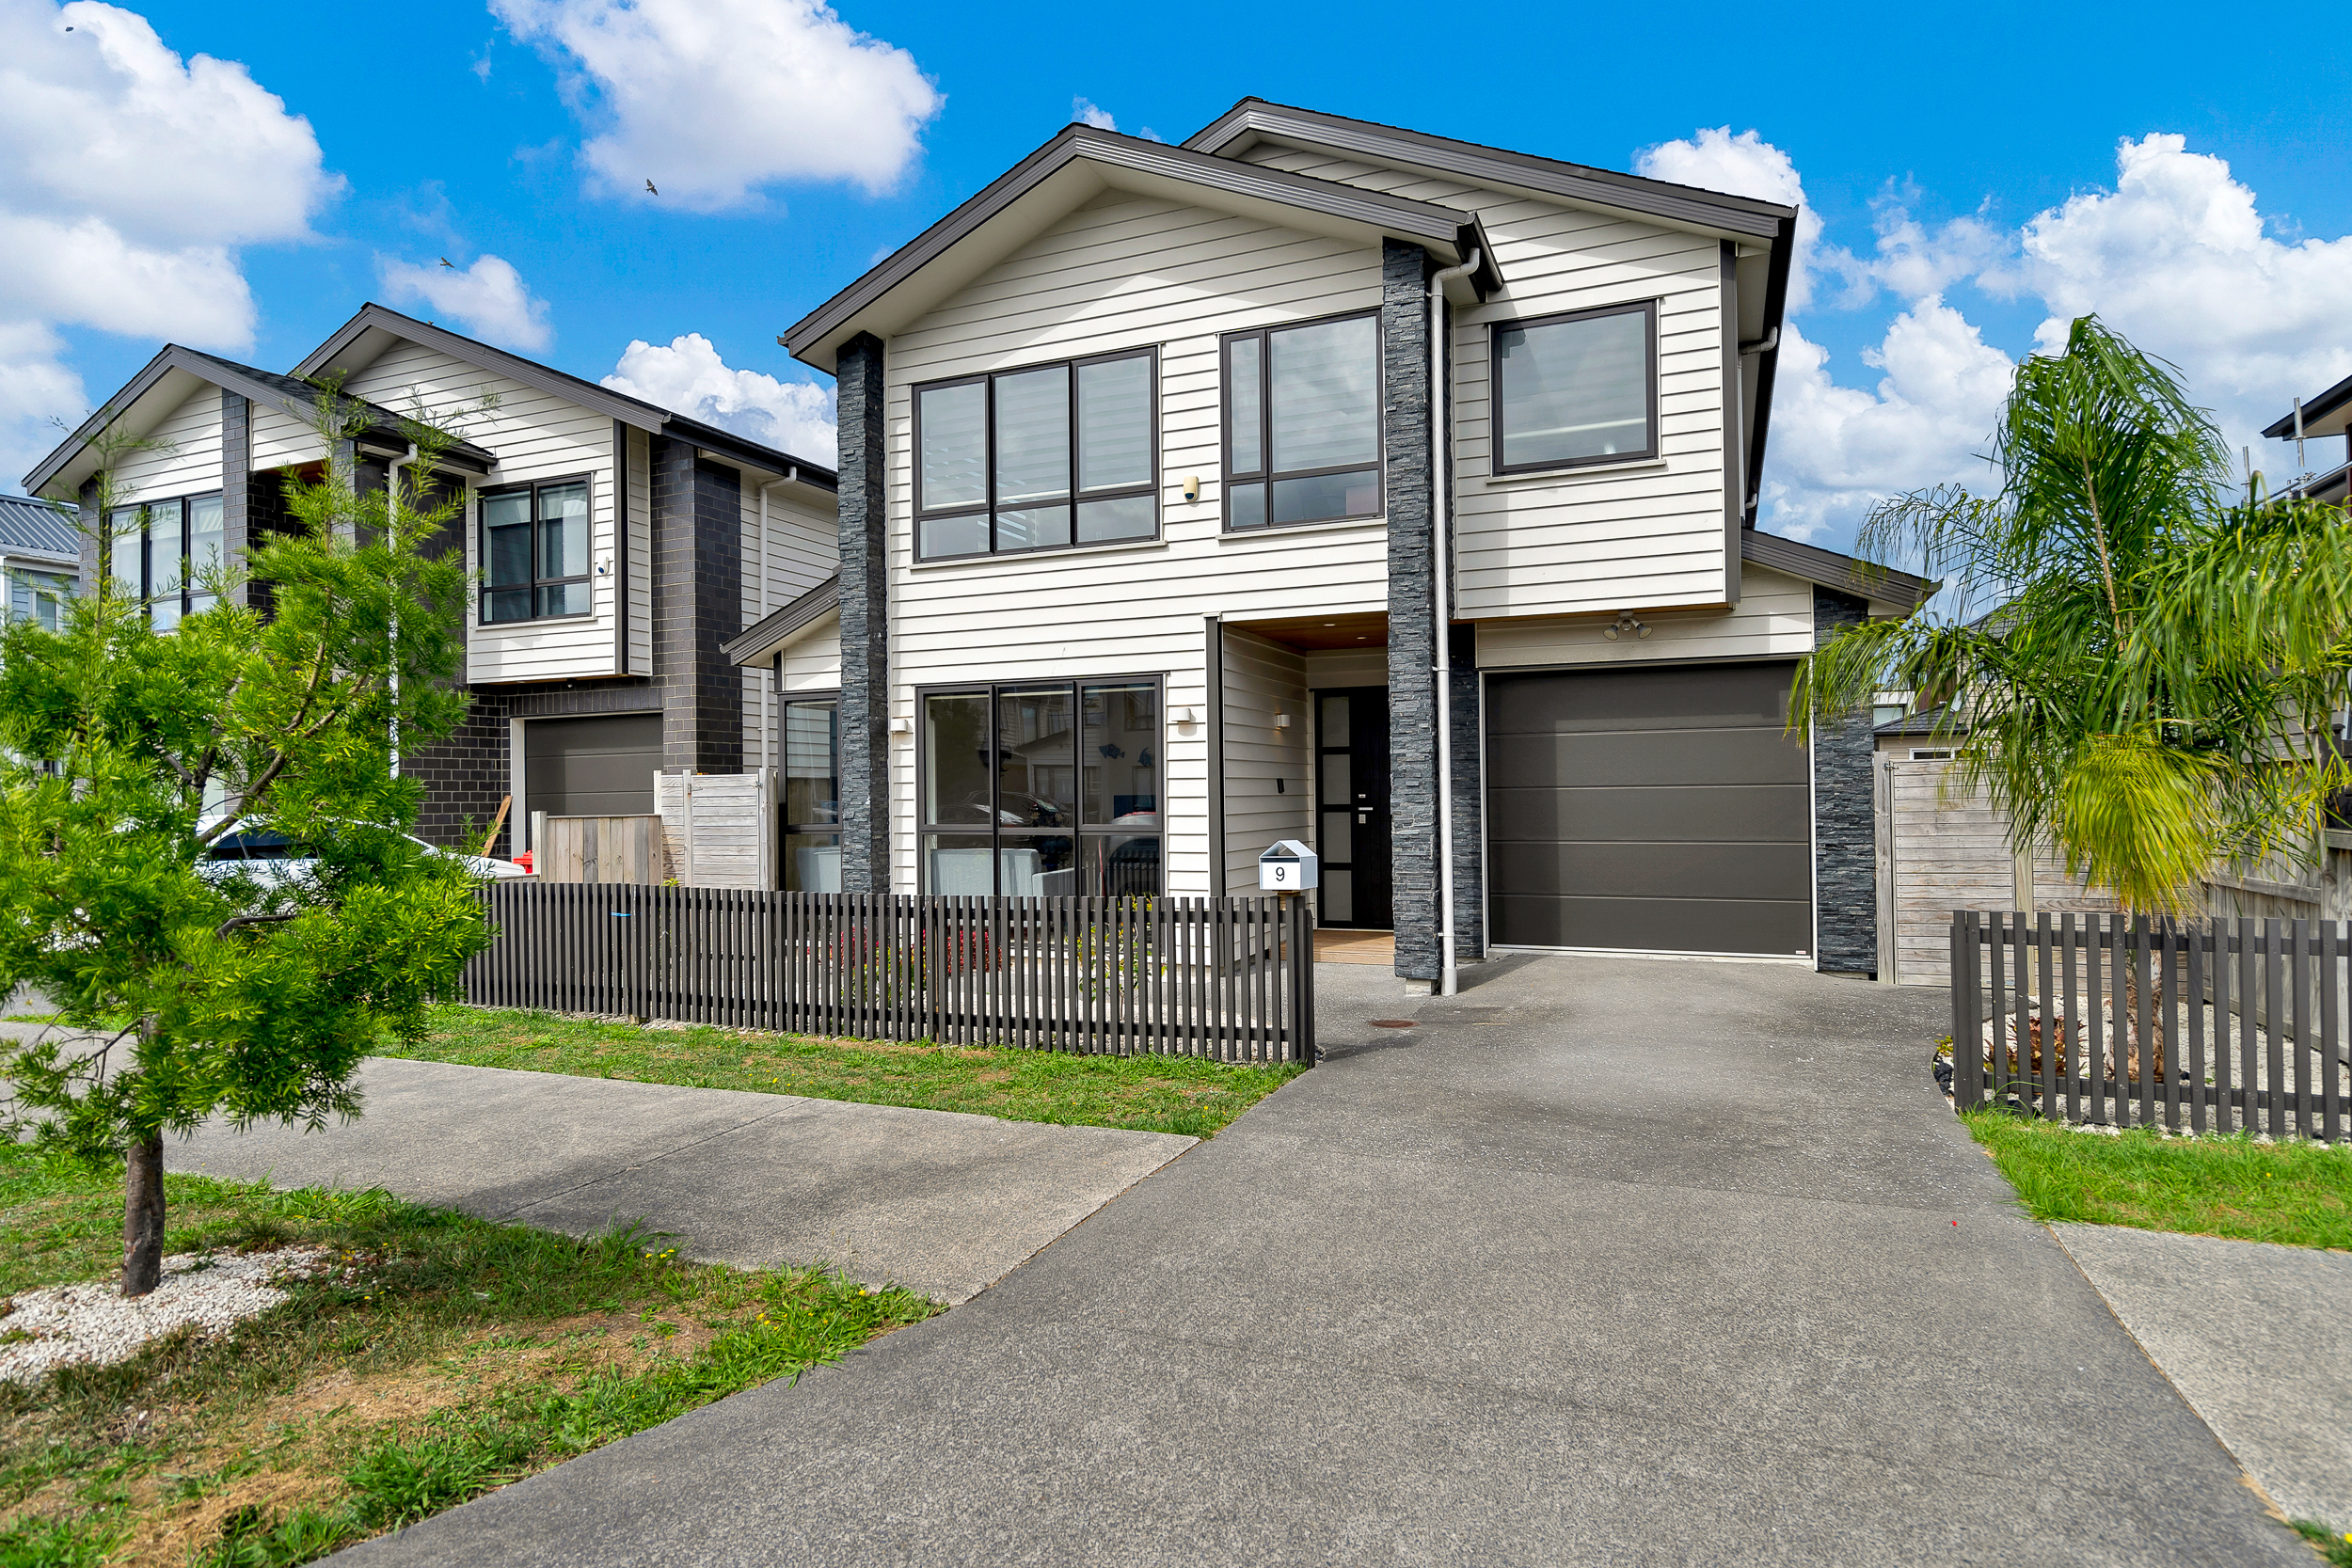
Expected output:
(1573, 389)
(811, 807)
(162, 552)
(1039, 788)
(534, 551)
(1035, 459)
(1302, 423)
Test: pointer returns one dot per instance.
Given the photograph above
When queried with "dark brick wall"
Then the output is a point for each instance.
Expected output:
(1412, 614)
(864, 717)
(465, 778)
(697, 583)
(1844, 866)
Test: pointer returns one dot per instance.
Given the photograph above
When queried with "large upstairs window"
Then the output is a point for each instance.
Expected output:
(534, 551)
(1576, 389)
(1043, 458)
(1302, 423)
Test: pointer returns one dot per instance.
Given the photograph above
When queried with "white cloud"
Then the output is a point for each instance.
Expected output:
(688, 377)
(1744, 165)
(488, 297)
(1836, 450)
(1086, 112)
(2178, 257)
(711, 100)
(131, 178)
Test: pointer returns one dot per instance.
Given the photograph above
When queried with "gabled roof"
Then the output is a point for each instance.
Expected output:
(1255, 119)
(30, 526)
(1811, 564)
(2328, 414)
(759, 641)
(167, 379)
(1076, 165)
(360, 340)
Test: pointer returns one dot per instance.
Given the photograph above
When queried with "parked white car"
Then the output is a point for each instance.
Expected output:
(273, 859)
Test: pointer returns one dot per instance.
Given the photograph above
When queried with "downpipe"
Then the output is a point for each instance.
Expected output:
(392, 504)
(1440, 555)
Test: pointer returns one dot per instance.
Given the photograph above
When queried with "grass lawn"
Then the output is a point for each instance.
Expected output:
(2299, 1194)
(1156, 1094)
(453, 1357)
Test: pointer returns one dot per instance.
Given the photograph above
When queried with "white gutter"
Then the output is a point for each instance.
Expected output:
(1441, 553)
(392, 504)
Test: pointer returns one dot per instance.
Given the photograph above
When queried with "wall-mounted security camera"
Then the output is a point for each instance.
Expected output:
(1192, 487)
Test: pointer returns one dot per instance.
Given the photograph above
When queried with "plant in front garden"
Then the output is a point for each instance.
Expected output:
(127, 759)
(2141, 657)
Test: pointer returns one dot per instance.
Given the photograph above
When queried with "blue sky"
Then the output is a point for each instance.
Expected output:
(1940, 151)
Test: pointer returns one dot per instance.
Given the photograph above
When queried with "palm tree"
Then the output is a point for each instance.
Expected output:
(2141, 660)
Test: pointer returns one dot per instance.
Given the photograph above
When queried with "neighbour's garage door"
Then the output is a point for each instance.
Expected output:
(591, 766)
(1648, 809)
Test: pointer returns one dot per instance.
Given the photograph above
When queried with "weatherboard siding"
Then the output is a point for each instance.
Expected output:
(281, 440)
(1267, 777)
(802, 551)
(535, 436)
(812, 662)
(1122, 272)
(1586, 540)
(182, 456)
(1774, 619)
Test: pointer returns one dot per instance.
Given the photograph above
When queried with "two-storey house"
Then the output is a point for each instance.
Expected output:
(615, 546)
(1320, 480)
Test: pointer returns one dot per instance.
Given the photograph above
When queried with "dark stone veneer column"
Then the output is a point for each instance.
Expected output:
(864, 521)
(236, 481)
(1844, 830)
(1412, 613)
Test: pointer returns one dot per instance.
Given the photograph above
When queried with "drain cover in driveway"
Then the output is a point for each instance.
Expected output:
(1390, 1022)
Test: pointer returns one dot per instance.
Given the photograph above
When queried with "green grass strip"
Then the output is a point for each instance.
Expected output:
(2299, 1194)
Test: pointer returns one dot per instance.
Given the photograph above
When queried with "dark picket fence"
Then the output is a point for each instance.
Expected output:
(1231, 979)
(2217, 1026)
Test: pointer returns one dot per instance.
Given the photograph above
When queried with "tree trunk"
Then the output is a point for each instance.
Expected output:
(143, 1214)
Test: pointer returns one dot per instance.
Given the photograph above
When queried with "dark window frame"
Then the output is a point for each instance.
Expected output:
(988, 507)
(184, 506)
(1650, 452)
(481, 499)
(1265, 473)
(1079, 830)
(786, 829)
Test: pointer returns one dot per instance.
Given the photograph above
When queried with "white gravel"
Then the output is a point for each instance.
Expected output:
(70, 1325)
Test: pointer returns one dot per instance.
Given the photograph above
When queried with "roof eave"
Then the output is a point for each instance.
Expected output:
(1831, 570)
(759, 641)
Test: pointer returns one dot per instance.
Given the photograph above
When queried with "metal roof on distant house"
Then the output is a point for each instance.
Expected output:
(33, 528)
(1921, 724)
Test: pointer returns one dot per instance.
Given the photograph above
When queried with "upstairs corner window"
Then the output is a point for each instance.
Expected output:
(167, 554)
(1575, 389)
(534, 551)
(1302, 423)
(1043, 458)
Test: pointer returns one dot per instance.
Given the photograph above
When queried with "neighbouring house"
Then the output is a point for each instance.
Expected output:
(2327, 417)
(40, 550)
(616, 546)
(1321, 480)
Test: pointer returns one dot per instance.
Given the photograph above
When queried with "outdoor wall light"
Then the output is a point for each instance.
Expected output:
(1281, 720)
(1181, 715)
(902, 726)
(1625, 623)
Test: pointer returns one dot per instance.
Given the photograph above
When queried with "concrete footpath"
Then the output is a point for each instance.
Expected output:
(1607, 1261)
(938, 1201)
(2257, 1338)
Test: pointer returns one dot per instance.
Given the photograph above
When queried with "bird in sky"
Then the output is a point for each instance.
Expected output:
(447, 262)
(650, 190)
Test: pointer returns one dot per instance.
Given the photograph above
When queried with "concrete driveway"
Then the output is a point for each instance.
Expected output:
(1607, 1261)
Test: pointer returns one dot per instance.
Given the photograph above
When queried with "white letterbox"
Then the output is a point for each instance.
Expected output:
(1290, 866)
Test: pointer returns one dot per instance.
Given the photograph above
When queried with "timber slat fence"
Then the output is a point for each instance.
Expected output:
(1231, 979)
(2222, 1025)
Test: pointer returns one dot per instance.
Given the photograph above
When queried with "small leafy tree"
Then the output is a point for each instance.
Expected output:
(129, 756)
(2141, 660)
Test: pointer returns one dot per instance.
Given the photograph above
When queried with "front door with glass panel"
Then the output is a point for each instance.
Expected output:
(1352, 806)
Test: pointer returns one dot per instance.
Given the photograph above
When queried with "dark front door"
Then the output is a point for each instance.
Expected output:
(1352, 806)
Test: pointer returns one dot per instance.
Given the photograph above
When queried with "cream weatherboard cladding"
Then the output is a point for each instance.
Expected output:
(184, 458)
(1263, 680)
(803, 551)
(1122, 272)
(812, 662)
(1774, 619)
(537, 435)
(1594, 539)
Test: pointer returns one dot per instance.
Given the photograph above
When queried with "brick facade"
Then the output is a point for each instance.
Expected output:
(697, 605)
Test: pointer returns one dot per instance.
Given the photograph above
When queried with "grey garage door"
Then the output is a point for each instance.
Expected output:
(601, 767)
(1648, 809)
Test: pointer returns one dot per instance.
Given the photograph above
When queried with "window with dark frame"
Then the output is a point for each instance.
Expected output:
(1045, 457)
(164, 553)
(1575, 389)
(811, 807)
(534, 551)
(1302, 423)
(1031, 788)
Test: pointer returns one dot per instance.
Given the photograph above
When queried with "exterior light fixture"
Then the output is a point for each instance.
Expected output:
(1281, 720)
(1625, 623)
